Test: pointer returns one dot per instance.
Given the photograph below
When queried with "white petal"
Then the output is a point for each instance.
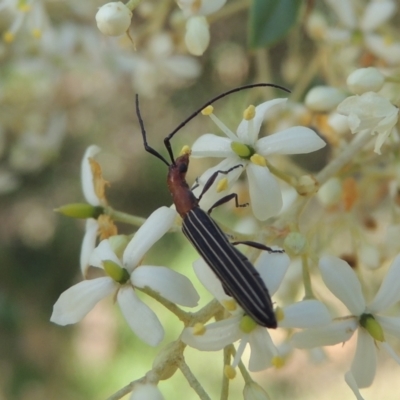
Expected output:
(210, 6)
(389, 292)
(345, 12)
(158, 223)
(88, 243)
(141, 319)
(262, 350)
(363, 367)
(79, 299)
(390, 351)
(265, 194)
(378, 45)
(305, 314)
(146, 391)
(102, 253)
(182, 67)
(210, 145)
(343, 283)
(334, 333)
(295, 140)
(377, 13)
(250, 136)
(87, 176)
(210, 281)
(390, 325)
(349, 378)
(272, 268)
(218, 335)
(169, 284)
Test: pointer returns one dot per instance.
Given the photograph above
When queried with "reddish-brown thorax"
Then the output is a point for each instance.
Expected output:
(182, 196)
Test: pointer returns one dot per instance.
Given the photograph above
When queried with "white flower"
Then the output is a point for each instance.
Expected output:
(244, 148)
(375, 14)
(370, 112)
(367, 320)
(197, 36)
(113, 19)
(146, 391)
(123, 277)
(215, 336)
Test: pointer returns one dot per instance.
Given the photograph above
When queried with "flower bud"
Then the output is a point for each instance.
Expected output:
(146, 391)
(330, 193)
(113, 19)
(365, 80)
(323, 98)
(307, 185)
(253, 391)
(80, 210)
(164, 358)
(197, 35)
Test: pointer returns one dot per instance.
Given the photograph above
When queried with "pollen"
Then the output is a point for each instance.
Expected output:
(185, 150)
(222, 185)
(8, 37)
(249, 113)
(199, 329)
(98, 181)
(230, 305)
(229, 372)
(258, 160)
(208, 110)
(278, 362)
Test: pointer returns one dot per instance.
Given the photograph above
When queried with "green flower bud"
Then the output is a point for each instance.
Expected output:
(80, 210)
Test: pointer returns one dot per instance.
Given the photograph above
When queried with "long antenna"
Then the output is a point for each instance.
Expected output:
(213, 100)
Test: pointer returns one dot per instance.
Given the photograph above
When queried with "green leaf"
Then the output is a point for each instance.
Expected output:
(270, 20)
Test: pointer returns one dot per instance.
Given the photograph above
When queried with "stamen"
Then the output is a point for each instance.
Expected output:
(229, 372)
(258, 160)
(208, 110)
(249, 113)
(230, 305)
(185, 150)
(222, 185)
(278, 362)
(199, 329)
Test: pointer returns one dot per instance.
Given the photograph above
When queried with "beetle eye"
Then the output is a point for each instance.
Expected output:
(183, 168)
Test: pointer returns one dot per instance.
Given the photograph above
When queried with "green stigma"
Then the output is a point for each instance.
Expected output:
(114, 271)
(247, 324)
(372, 326)
(242, 150)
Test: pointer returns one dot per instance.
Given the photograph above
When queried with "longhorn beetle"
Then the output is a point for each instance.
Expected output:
(238, 276)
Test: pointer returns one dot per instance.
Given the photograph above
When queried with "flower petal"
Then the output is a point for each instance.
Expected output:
(389, 292)
(210, 145)
(169, 284)
(78, 300)
(334, 333)
(272, 267)
(363, 367)
(342, 281)
(265, 194)
(262, 350)
(390, 351)
(349, 378)
(390, 325)
(378, 45)
(377, 13)
(141, 319)
(345, 12)
(305, 314)
(158, 223)
(249, 136)
(217, 335)
(294, 140)
(88, 244)
(87, 176)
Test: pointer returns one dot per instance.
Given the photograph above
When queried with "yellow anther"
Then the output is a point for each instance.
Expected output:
(185, 150)
(278, 362)
(279, 314)
(258, 160)
(247, 324)
(229, 372)
(249, 113)
(208, 110)
(37, 33)
(222, 185)
(8, 37)
(230, 305)
(199, 329)
(107, 228)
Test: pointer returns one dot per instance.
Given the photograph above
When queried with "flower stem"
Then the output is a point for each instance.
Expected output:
(132, 4)
(306, 278)
(193, 382)
(225, 380)
(120, 216)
